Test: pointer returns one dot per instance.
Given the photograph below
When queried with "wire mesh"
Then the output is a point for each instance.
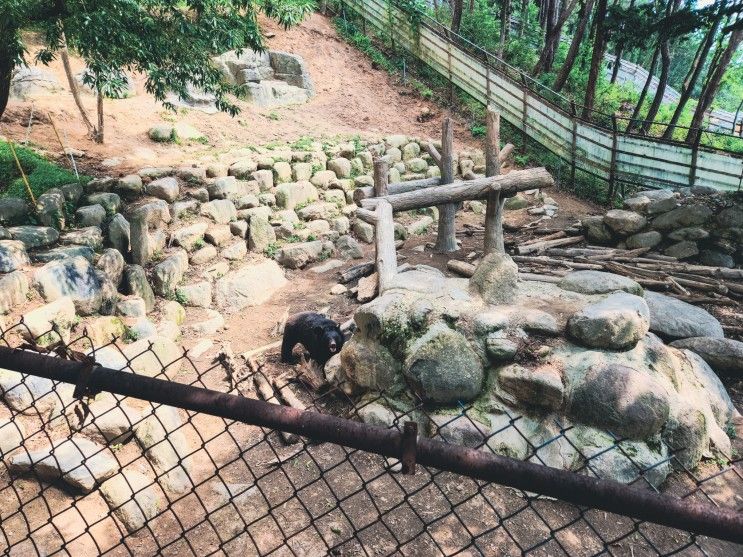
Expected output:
(120, 476)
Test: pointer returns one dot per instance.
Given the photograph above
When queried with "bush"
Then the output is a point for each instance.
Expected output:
(42, 174)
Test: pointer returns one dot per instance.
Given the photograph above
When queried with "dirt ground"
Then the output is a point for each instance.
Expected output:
(352, 98)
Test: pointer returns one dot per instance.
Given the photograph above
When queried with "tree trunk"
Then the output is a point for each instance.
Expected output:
(665, 66)
(524, 17)
(712, 84)
(636, 112)
(504, 26)
(446, 239)
(99, 109)
(564, 73)
(547, 57)
(597, 58)
(65, 55)
(694, 72)
(6, 72)
(456, 15)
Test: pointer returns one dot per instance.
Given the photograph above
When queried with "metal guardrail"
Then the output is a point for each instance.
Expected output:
(245, 491)
(551, 119)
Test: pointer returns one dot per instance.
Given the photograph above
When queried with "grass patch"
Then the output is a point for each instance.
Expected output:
(42, 174)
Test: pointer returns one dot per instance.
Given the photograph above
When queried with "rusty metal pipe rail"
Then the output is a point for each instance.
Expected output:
(567, 486)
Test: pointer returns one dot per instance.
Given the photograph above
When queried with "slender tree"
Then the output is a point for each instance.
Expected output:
(456, 15)
(665, 36)
(619, 51)
(634, 122)
(712, 83)
(547, 57)
(172, 43)
(583, 16)
(695, 70)
(505, 14)
(597, 57)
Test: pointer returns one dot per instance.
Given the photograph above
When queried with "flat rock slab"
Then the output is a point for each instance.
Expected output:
(723, 355)
(34, 236)
(78, 461)
(598, 282)
(674, 319)
(249, 286)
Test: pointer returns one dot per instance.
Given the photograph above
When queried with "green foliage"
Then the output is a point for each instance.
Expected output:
(478, 130)
(171, 42)
(271, 250)
(42, 174)
(303, 144)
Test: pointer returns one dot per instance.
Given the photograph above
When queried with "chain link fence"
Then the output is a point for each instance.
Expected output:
(86, 472)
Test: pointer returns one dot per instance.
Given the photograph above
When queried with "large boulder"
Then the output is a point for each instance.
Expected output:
(660, 201)
(13, 290)
(368, 365)
(260, 234)
(598, 282)
(595, 229)
(135, 283)
(495, 278)
(49, 323)
(673, 319)
(627, 401)
(90, 236)
(682, 217)
(624, 223)
(13, 211)
(74, 277)
(617, 322)
(133, 498)
(13, 256)
(189, 237)
(34, 236)
(289, 195)
(443, 367)
(296, 256)
(221, 211)
(168, 273)
(723, 355)
(166, 189)
(50, 209)
(249, 286)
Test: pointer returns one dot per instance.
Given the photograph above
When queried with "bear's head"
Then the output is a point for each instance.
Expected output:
(329, 337)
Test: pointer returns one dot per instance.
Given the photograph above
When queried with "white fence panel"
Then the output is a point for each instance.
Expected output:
(639, 160)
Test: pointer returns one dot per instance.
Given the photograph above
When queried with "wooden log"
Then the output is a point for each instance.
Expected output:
(435, 155)
(367, 216)
(249, 354)
(385, 244)
(381, 177)
(266, 392)
(461, 267)
(543, 260)
(287, 395)
(367, 192)
(541, 246)
(509, 184)
(356, 272)
(539, 278)
(446, 240)
(505, 153)
(553, 236)
(495, 207)
(705, 300)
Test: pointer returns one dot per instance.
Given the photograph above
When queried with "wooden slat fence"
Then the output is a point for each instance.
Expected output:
(611, 156)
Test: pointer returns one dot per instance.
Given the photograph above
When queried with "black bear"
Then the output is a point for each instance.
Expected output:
(320, 336)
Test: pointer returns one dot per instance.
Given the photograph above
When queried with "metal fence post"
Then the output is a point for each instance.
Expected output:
(613, 163)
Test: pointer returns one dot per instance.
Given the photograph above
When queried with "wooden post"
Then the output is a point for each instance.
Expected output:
(574, 143)
(385, 245)
(381, 177)
(495, 204)
(447, 240)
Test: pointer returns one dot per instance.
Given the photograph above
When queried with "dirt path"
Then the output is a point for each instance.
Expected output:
(351, 98)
